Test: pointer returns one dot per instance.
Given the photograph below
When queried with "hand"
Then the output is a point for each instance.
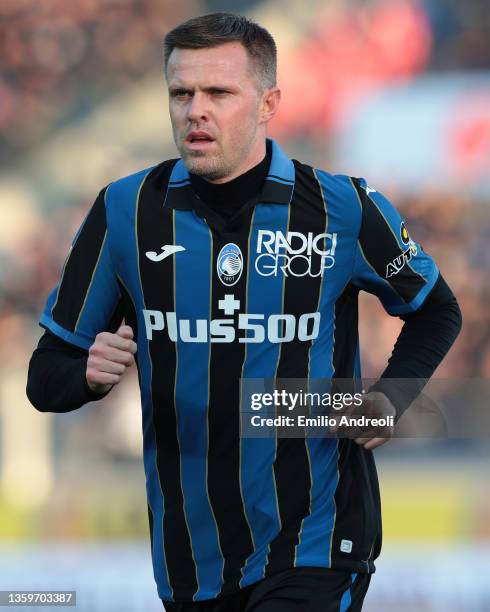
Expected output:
(109, 357)
(375, 404)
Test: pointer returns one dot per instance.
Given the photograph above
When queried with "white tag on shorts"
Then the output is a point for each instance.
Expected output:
(346, 546)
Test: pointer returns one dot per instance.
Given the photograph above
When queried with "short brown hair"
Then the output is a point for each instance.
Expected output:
(217, 29)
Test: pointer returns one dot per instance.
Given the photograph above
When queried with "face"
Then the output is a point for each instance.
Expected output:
(217, 110)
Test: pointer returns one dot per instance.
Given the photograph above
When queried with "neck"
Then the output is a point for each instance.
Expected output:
(229, 196)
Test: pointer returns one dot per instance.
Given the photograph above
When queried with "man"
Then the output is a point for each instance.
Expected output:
(232, 263)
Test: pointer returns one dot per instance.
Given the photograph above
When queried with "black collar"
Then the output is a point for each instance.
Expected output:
(277, 188)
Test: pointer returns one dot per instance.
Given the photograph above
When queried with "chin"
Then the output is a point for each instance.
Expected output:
(203, 167)
(209, 174)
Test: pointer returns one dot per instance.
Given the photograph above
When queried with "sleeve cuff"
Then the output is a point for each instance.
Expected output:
(401, 392)
(93, 395)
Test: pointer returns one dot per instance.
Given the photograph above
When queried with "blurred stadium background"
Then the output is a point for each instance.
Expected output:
(394, 90)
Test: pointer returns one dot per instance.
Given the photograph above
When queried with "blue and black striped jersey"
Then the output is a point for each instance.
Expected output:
(270, 293)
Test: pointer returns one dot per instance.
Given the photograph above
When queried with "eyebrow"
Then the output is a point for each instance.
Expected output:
(175, 88)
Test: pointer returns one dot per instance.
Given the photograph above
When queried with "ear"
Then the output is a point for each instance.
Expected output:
(270, 103)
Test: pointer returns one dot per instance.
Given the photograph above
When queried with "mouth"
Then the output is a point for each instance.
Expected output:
(199, 140)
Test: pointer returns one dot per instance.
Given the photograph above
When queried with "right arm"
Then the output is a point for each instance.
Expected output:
(81, 355)
(63, 377)
(53, 365)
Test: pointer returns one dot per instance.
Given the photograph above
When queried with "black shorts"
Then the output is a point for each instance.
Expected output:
(305, 589)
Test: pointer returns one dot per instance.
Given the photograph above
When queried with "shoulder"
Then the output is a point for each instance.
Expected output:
(159, 173)
(336, 189)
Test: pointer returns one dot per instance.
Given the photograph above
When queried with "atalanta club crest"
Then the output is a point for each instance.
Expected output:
(229, 264)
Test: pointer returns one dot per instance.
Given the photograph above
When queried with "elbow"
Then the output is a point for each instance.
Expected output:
(34, 396)
(453, 319)
(34, 390)
(458, 316)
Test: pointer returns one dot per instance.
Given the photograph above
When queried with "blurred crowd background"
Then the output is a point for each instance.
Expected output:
(397, 91)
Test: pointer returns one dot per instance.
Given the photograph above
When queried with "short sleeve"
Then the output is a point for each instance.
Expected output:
(87, 299)
(388, 262)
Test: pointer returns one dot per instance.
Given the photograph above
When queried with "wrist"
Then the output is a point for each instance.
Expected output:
(97, 390)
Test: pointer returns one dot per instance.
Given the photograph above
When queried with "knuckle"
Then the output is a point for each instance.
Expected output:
(96, 348)
(94, 362)
(91, 365)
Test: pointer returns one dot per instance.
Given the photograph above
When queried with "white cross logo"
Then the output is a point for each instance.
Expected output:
(229, 305)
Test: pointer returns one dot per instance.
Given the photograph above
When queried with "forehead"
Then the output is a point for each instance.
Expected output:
(228, 61)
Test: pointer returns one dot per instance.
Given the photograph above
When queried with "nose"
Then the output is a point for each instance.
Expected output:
(197, 111)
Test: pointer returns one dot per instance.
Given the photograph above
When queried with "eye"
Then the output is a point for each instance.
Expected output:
(219, 92)
(182, 94)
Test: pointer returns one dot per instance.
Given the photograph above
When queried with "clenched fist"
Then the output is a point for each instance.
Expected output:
(109, 357)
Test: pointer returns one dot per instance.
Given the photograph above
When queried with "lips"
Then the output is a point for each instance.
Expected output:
(199, 137)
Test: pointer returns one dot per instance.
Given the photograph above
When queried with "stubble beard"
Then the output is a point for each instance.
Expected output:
(216, 166)
(209, 168)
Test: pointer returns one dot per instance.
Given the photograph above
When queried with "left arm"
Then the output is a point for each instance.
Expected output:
(408, 283)
(425, 338)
